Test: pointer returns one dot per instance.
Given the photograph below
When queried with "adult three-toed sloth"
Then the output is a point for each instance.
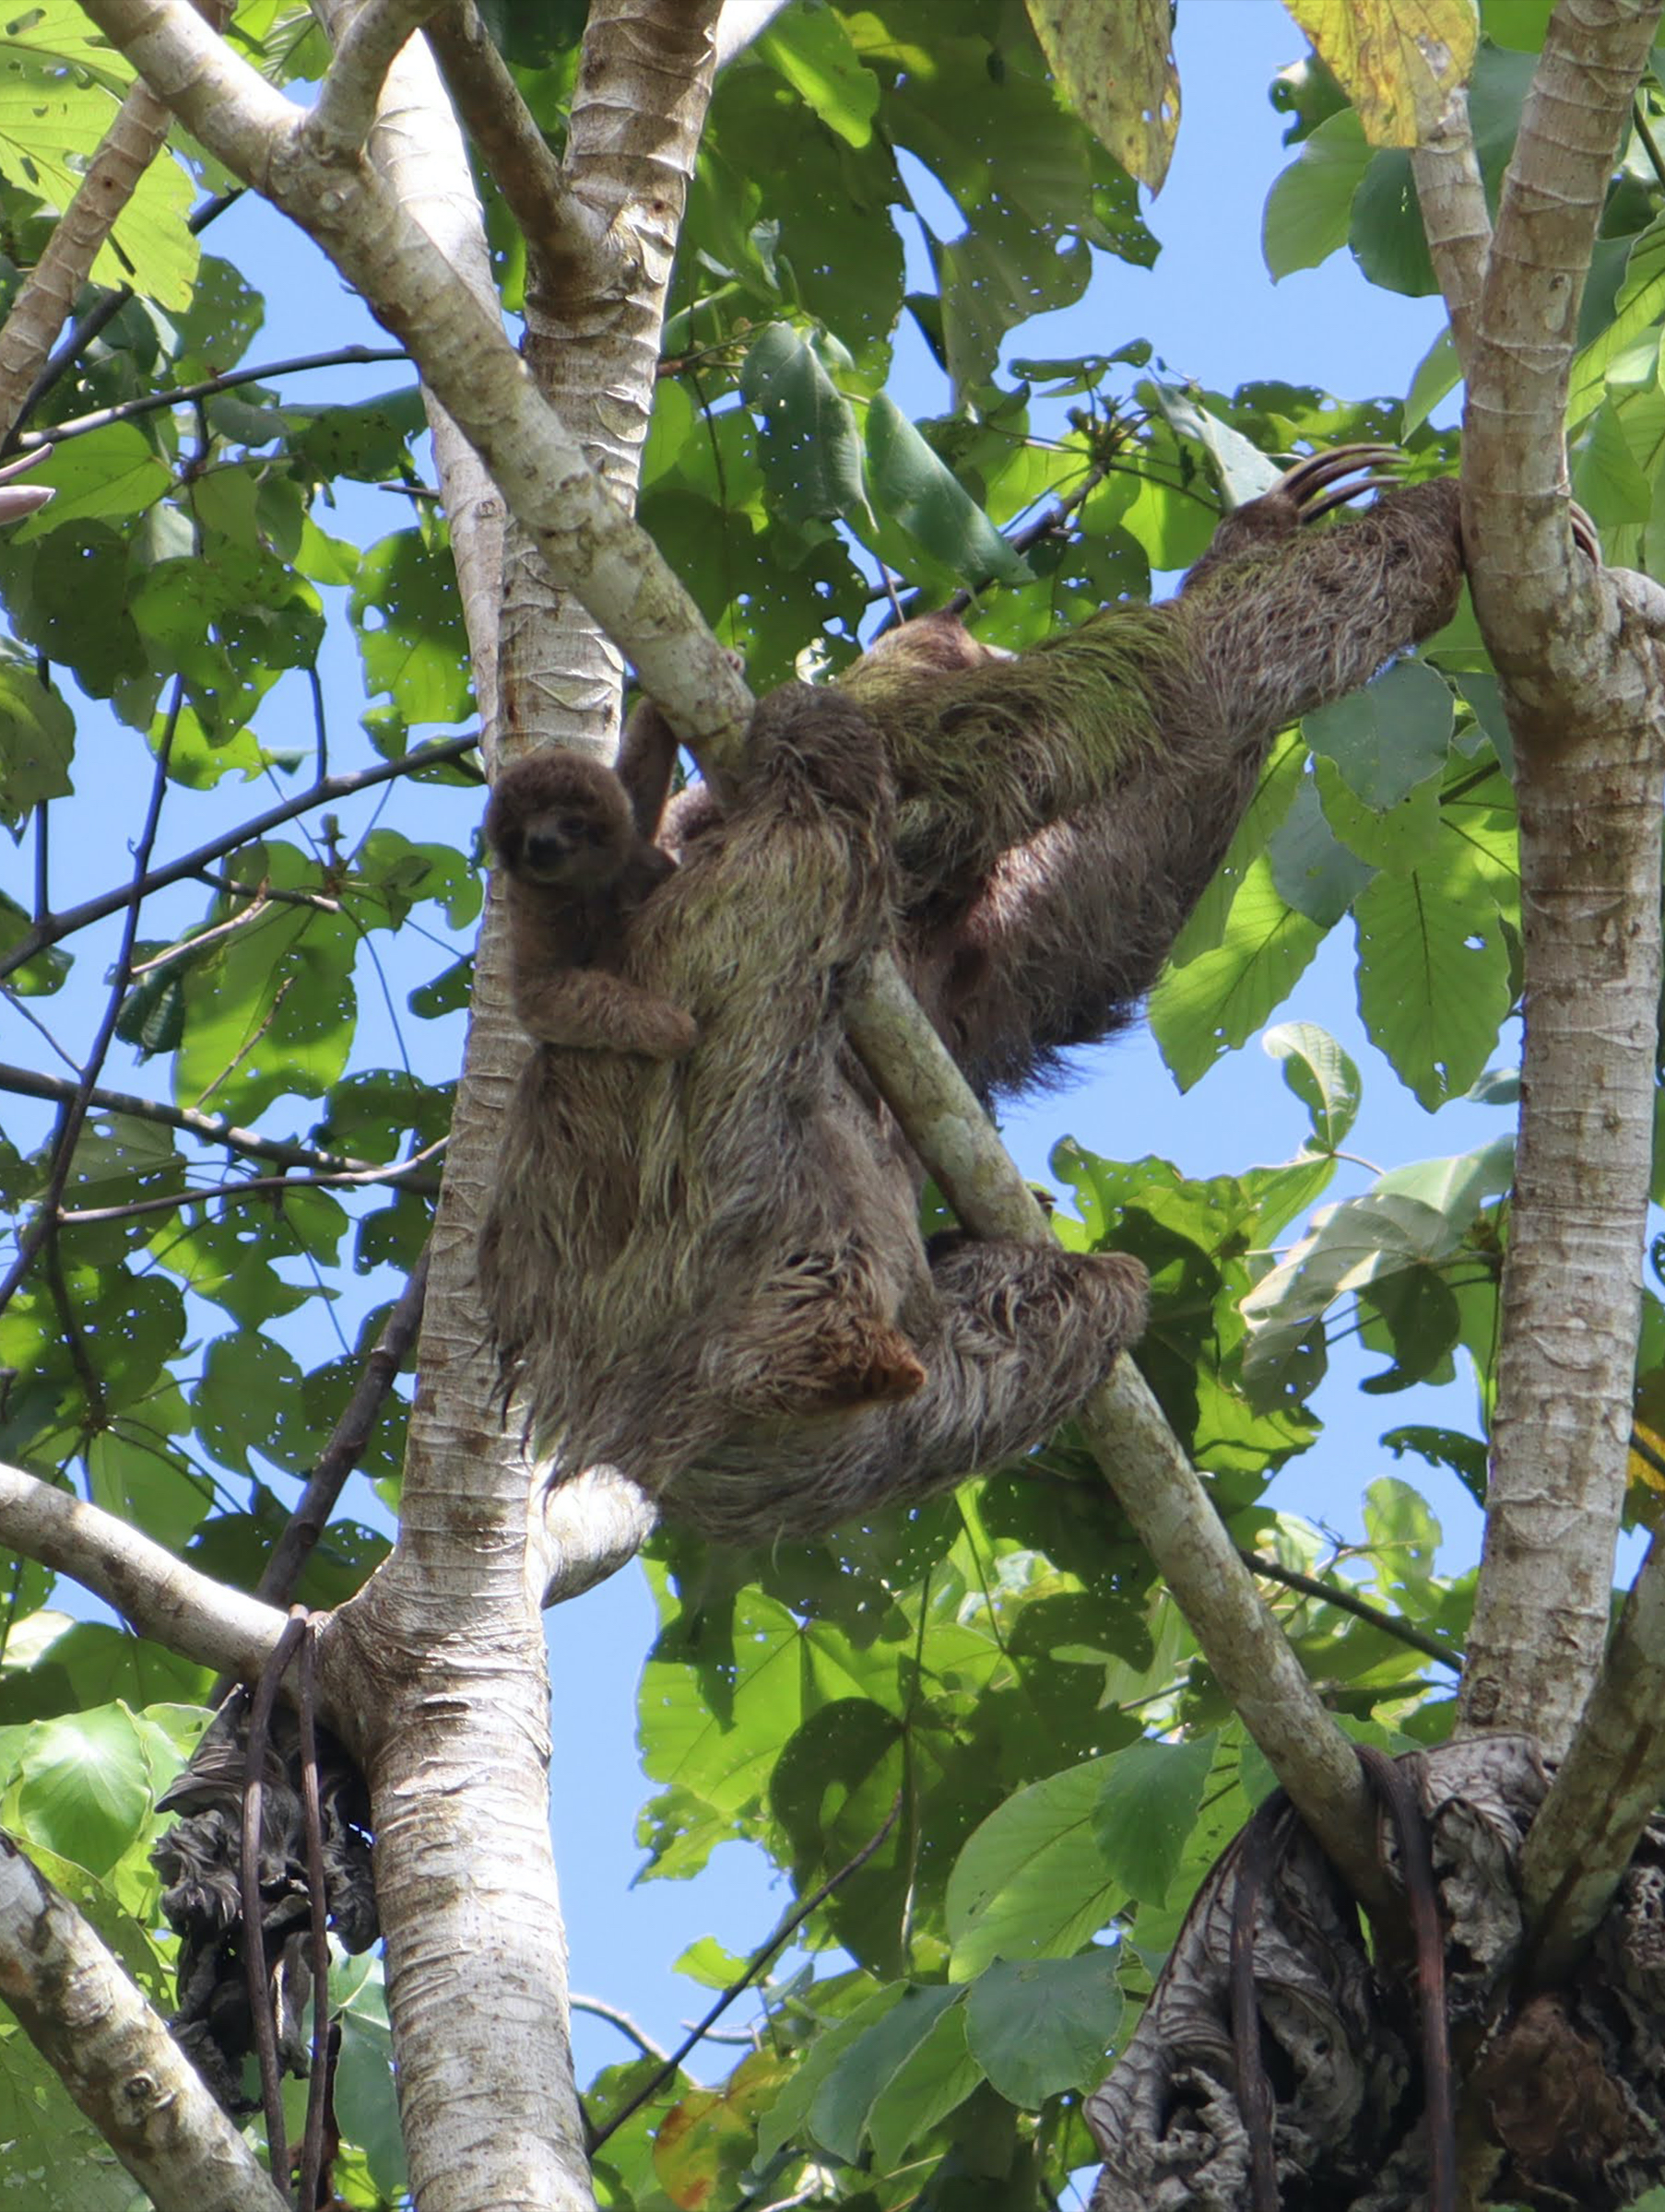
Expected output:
(704, 1267)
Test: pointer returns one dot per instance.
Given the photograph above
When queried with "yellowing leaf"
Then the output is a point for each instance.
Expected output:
(707, 2137)
(1114, 66)
(1396, 60)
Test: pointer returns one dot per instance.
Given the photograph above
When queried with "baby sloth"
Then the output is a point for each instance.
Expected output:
(707, 1271)
(577, 861)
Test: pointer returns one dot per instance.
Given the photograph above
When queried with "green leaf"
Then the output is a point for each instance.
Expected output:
(1147, 1809)
(1639, 305)
(1417, 1313)
(37, 740)
(872, 2062)
(1388, 737)
(366, 2105)
(1465, 1455)
(923, 2089)
(369, 440)
(56, 2160)
(1244, 471)
(788, 2117)
(1434, 978)
(1606, 480)
(84, 1787)
(1032, 1882)
(989, 287)
(248, 1400)
(1403, 1537)
(913, 487)
(1516, 23)
(270, 1007)
(815, 56)
(55, 33)
(1385, 232)
(1350, 1246)
(1403, 837)
(1456, 1186)
(404, 606)
(131, 1477)
(1438, 372)
(1309, 209)
(49, 122)
(811, 447)
(105, 476)
(1043, 2025)
(1213, 1003)
(1321, 1075)
(1311, 868)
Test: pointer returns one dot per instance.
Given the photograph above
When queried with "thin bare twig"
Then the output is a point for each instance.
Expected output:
(399, 1174)
(348, 1440)
(1348, 1601)
(282, 893)
(324, 792)
(184, 396)
(167, 958)
(212, 1128)
(623, 2022)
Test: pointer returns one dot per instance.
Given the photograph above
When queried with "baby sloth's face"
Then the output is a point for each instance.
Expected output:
(561, 822)
(572, 848)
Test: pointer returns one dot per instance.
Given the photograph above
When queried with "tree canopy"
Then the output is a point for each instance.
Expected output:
(994, 1743)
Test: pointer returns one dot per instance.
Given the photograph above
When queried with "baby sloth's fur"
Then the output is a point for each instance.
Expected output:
(709, 1272)
(577, 861)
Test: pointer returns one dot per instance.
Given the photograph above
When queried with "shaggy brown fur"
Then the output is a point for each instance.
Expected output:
(1064, 810)
(709, 1272)
(577, 861)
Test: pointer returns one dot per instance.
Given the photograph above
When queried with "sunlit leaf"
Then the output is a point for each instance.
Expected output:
(1434, 979)
(84, 1786)
(1216, 1001)
(1309, 209)
(814, 54)
(1320, 1075)
(1398, 61)
(1032, 1883)
(1114, 66)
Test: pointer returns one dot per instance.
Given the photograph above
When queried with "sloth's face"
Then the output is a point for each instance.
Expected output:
(570, 848)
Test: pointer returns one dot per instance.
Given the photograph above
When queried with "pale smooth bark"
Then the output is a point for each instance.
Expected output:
(447, 1643)
(152, 1591)
(114, 2056)
(1580, 679)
